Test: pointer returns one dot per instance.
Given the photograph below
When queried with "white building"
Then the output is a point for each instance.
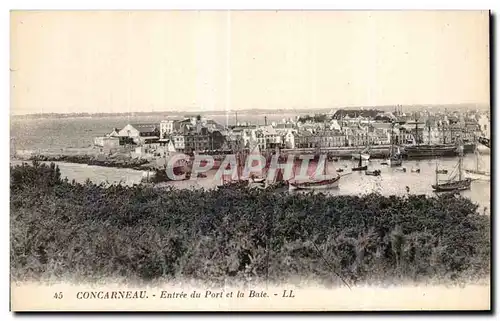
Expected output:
(484, 124)
(141, 133)
(166, 128)
(287, 137)
(267, 136)
(178, 141)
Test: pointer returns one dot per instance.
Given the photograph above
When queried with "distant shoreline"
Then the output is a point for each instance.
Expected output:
(174, 113)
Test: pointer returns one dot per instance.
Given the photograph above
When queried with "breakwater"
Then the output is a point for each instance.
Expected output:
(138, 164)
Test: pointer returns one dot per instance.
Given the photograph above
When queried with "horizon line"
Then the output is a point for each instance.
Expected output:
(304, 109)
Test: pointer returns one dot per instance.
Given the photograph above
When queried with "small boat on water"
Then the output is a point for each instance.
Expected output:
(384, 163)
(257, 179)
(401, 169)
(442, 171)
(477, 173)
(373, 173)
(415, 170)
(360, 166)
(327, 183)
(453, 183)
(452, 186)
(339, 170)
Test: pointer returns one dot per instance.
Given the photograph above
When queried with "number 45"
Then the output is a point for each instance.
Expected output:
(58, 295)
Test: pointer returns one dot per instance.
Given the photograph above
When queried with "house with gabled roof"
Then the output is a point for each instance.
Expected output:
(141, 133)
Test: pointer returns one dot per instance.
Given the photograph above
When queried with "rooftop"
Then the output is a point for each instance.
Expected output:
(145, 128)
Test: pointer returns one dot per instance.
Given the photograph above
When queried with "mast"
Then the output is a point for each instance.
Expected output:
(437, 181)
(429, 131)
(460, 159)
(477, 161)
(392, 140)
(416, 130)
(360, 160)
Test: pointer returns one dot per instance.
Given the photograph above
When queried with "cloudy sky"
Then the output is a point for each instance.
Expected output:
(216, 60)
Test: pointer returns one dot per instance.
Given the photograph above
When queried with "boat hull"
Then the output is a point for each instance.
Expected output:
(362, 168)
(453, 186)
(257, 180)
(423, 151)
(477, 175)
(315, 185)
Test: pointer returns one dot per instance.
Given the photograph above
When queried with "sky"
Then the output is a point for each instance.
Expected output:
(112, 61)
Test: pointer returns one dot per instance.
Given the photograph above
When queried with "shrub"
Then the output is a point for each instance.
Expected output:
(89, 231)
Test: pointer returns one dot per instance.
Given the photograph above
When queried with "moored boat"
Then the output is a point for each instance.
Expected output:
(456, 182)
(360, 166)
(452, 186)
(327, 183)
(477, 173)
(421, 151)
(373, 173)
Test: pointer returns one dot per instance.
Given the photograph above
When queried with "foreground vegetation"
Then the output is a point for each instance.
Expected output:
(63, 229)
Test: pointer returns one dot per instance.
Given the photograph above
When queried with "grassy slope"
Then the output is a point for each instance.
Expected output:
(64, 230)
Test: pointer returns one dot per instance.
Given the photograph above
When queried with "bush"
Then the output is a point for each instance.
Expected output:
(89, 231)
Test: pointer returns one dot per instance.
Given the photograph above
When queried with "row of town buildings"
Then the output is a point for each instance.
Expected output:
(198, 134)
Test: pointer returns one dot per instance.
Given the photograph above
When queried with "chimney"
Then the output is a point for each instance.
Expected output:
(265, 120)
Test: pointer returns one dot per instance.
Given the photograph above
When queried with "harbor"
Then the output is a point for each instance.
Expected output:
(392, 181)
(274, 154)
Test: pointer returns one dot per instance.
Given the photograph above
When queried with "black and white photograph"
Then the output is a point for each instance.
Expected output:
(250, 160)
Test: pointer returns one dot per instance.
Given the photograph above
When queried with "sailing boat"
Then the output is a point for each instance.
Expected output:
(360, 165)
(477, 173)
(254, 178)
(418, 150)
(326, 182)
(364, 154)
(395, 158)
(453, 184)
